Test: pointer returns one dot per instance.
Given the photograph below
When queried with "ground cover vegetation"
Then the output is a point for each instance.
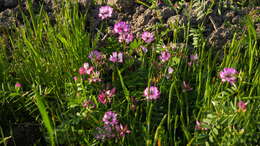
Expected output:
(122, 72)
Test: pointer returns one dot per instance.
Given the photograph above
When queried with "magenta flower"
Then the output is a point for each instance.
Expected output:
(242, 106)
(152, 93)
(105, 96)
(121, 27)
(18, 85)
(122, 130)
(110, 118)
(126, 37)
(95, 55)
(86, 69)
(147, 37)
(165, 56)
(116, 57)
(228, 75)
(105, 12)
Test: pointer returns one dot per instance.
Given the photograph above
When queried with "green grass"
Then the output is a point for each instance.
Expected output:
(45, 56)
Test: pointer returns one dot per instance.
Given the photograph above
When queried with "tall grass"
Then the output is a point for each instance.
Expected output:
(47, 54)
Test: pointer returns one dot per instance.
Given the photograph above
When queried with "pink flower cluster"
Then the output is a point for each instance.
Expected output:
(111, 128)
(147, 37)
(123, 30)
(105, 12)
(94, 76)
(95, 55)
(116, 57)
(106, 95)
(165, 56)
(228, 75)
(241, 106)
(152, 93)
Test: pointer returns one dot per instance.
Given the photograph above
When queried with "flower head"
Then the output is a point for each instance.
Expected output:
(105, 96)
(86, 69)
(228, 75)
(242, 106)
(121, 27)
(165, 56)
(116, 57)
(126, 37)
(110, 118)
(122, 130)
(95, 55)
(105, 12)
(147, 37)
(152, 93)
(18, 85)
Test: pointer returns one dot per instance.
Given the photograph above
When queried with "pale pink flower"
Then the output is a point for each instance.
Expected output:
(122, 130)
(105, 12)
(126, 37)
(165, 56)
(95, 55)
(147, 37)
(110, 118)
(116, 57)
(152, 93)
(229, 75)
(242, 106)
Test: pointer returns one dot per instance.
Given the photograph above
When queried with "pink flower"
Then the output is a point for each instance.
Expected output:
(194, 57)
(186, 86)
(110, 118)
(116, 57)
(75, 78)
(165, 56)
(242, 106)
(147, 37)
(228, 75)
(126, 37)
(122, 130)
(95, 55)
(105, 12)
(86, 69)
(18, 85)
(152, 93)
(105, 96)
(121, 27)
